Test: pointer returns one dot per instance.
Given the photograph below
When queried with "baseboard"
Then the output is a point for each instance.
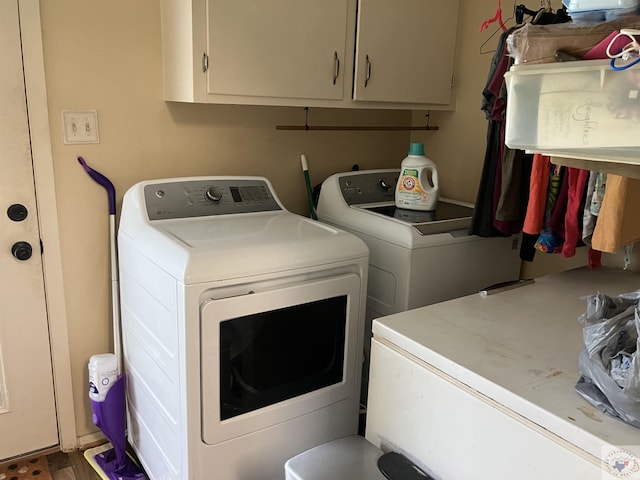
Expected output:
(91, 440)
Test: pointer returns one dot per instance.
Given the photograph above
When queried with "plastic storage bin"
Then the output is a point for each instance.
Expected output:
(590, 5)
(581, 109)
(348, 458)
(600, 10)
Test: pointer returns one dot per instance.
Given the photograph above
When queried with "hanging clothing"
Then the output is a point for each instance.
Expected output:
(552, 235)
(538, 185)
(564, 209)
(482, 218)
(589, 222)
(510, 186)
(514, 191)
(491, 216)
(577, 180)
(595, 259)
(618, 223)
(510, 181)
(588, 218)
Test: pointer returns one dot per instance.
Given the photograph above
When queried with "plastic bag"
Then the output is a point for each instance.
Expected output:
(533, 44)
(610, 362)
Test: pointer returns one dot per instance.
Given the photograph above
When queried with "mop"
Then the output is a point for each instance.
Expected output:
(111, 461)
(305, 172)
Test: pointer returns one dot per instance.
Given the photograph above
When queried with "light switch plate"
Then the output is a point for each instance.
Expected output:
(80, 126)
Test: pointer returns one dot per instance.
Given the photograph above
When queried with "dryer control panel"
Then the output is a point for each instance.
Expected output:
(210, 196)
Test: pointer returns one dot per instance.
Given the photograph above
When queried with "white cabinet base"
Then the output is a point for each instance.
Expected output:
(455, 432)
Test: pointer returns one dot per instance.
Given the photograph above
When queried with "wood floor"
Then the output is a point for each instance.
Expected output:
(55, 466)
(71, 466)
(61, 466)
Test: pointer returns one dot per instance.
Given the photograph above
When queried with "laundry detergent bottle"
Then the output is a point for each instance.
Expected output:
(417, 187)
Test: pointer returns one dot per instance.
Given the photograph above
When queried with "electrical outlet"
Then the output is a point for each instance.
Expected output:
(80, 126)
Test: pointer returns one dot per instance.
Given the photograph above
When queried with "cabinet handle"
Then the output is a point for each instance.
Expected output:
(368, 72)
(336, 67)
(205, 62)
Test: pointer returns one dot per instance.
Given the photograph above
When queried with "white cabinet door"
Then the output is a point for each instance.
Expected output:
(277, 48)
(302, 52)
(27, 404)
(405, 51)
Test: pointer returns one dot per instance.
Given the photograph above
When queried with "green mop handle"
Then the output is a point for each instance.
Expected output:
(305, 170)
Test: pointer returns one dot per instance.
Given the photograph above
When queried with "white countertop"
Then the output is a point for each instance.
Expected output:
(520, 347)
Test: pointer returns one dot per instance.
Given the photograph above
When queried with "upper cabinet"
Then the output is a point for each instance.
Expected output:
(276, 48)
(405, 51)
(316, 53)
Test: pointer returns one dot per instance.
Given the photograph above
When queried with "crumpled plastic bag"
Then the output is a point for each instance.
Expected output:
(533, 44)
(610, 361)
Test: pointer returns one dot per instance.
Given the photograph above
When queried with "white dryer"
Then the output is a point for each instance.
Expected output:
(242, 328)
(416, 258)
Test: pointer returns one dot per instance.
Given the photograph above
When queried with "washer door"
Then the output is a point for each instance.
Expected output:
(278, 354)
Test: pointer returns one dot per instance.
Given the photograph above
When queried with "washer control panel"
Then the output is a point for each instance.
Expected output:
(206, 197)
(361, 188)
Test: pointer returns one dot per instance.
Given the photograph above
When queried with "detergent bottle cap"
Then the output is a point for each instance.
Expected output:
(416, 149)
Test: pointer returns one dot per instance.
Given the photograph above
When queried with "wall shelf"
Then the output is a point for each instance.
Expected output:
(307, 127)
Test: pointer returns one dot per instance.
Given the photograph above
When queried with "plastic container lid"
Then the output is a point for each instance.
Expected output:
(352, 458)
(575, 6)
(416, 149)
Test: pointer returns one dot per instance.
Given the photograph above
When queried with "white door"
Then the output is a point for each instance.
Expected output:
(27, 405)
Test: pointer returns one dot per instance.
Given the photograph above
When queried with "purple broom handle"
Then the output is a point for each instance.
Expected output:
(104, 181)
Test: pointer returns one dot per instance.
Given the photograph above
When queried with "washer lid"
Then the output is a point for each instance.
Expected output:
(447, 216)
(363, 202)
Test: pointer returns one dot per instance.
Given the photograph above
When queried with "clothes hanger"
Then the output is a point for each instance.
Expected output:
(501, 29)
(522, 10)
(485, 52)
(543, 16)
(496, 18)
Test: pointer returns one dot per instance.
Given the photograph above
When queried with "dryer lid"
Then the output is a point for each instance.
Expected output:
(239, 246)
(197, 240)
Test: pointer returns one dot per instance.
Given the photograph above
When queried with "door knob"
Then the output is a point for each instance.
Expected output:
(17, 212)
(21, 250)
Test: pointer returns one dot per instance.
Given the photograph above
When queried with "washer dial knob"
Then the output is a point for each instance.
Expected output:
(384, 185)
(212, 196)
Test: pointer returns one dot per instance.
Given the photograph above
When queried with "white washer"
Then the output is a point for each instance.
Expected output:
(416, 258)
(242, 328)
